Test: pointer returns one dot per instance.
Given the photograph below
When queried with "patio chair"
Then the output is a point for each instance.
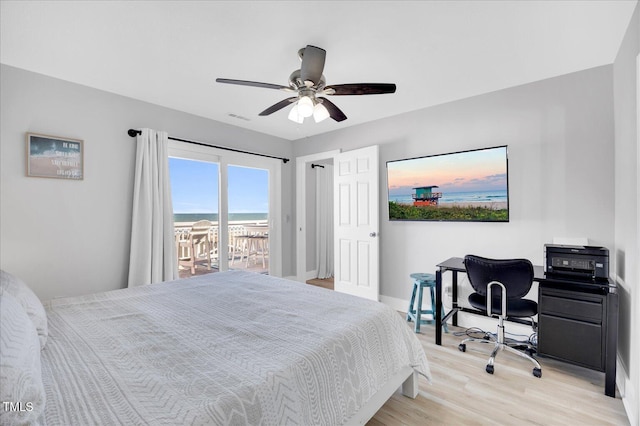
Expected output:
(196, 245)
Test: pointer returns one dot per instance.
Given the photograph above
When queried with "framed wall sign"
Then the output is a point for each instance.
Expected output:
(54, 157)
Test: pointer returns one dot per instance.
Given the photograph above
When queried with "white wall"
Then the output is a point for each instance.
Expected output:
(627, 244)
(559, 134)
(72, 237)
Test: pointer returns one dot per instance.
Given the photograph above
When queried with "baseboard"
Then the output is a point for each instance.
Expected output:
(465, 320)
(395, 303)
(630, 403)
(628, 393)
(402, 304)
(308, 276)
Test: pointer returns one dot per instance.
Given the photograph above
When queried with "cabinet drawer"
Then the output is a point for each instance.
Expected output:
(577, 309)
(578, 342)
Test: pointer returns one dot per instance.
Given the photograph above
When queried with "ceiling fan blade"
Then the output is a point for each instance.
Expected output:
(278, 106)
(334, 111)
(360, 89)
(254, 84)
(312, 64)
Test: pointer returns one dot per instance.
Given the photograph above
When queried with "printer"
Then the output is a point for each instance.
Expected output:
(576, 262)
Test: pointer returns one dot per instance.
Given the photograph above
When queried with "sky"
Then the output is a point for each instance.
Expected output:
(194, 187)
(480, 170)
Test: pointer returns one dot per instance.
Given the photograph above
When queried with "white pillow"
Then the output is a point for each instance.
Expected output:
(29, 301)
(21, 389)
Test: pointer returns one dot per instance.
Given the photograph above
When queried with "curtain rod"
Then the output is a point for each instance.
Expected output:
(134, 132)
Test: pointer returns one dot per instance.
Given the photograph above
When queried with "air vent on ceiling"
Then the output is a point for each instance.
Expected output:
(239, 117)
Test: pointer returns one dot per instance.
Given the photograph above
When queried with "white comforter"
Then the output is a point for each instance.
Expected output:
(225, 348)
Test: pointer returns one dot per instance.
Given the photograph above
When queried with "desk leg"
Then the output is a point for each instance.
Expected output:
(454, 297)
(438, 308)
(611, 345)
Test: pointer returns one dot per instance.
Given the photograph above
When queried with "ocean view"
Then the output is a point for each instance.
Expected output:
(213, 217)
(459, 197)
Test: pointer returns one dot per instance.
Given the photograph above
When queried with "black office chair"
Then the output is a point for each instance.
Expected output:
(512, 277)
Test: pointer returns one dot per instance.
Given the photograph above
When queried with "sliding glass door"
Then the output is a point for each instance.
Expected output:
(195, 185)
(248, 216)
(239, 195)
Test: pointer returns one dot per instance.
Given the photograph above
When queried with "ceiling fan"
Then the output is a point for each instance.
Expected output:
(310, 86)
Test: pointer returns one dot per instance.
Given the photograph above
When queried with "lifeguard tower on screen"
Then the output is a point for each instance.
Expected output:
(425, 196)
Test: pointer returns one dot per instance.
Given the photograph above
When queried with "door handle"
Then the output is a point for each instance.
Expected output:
(373, 234)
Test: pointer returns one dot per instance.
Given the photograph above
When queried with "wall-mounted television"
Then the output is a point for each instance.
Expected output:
(459, 186)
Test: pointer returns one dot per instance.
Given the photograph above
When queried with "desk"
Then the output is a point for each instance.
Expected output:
(583, 310)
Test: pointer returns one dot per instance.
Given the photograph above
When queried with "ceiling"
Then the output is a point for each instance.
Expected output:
(169, 53)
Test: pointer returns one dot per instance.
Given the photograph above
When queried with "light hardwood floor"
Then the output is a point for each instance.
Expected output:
(325, 283)
(462, 393)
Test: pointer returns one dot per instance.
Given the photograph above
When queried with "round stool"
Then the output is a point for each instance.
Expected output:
(420, 281)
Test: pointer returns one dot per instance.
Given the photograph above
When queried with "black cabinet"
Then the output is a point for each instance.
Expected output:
(578, 323)
(570, 327)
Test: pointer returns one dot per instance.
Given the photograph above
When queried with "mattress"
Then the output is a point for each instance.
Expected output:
(227, 348)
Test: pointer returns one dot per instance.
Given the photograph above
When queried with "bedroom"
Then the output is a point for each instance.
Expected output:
(534, 117)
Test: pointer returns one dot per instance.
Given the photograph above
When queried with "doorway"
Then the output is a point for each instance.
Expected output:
(355, 220)
(306, 213)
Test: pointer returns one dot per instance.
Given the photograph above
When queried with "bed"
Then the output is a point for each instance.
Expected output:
(227, 348)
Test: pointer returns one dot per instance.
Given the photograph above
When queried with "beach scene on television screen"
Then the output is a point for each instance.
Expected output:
(461, 186)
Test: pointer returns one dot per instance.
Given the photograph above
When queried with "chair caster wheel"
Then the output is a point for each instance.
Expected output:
(537, 372)
(489, 368)
(462, 347)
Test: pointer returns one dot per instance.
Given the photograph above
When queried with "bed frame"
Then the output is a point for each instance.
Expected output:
(407, 377)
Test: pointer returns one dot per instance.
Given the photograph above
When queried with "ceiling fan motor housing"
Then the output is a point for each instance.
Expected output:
(296, 82)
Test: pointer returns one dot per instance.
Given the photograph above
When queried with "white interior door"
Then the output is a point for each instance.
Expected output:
(356, 221)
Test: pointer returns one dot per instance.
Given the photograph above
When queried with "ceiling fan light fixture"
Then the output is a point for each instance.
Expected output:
(294, 115)
(305, 106)
(320, 112)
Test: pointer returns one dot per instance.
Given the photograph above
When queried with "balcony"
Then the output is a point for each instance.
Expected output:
(197, 247)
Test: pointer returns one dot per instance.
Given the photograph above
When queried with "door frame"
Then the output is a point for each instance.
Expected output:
(302, 164)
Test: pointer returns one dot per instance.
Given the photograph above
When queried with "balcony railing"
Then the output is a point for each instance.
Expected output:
(247, 247)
